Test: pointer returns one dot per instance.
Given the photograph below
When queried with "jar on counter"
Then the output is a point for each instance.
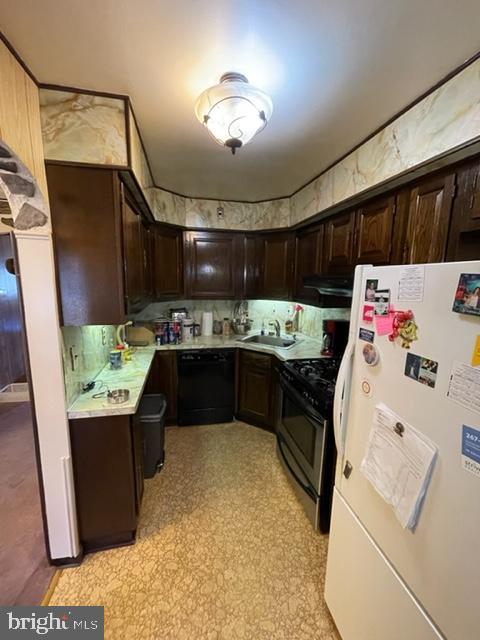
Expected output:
(187, 330)
(227, 327)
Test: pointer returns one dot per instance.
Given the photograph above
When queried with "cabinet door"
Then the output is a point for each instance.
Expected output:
(163, 379)
(256, 389)
(428, 220)
(308, 260)
(251, 265)
(277, 265)
(373, 231)
(87, 237)
(135, 260)
(148, 249)
(212, 269)
(105, 487)
(464, 235)
(168, 262)
(338, 245)
(138, 452)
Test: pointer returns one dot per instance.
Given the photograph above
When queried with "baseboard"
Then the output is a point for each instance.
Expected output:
(69, 561)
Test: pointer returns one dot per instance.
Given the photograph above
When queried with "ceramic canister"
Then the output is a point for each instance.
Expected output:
(187, 330)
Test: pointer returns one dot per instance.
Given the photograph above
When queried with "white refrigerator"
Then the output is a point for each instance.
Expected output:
(384, 581)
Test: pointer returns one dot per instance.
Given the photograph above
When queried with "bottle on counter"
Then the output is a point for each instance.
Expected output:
(227, 327)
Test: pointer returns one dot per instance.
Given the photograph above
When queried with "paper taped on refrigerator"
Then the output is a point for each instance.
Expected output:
(398, 462)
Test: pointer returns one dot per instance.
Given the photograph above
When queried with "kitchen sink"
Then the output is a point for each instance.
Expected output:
(271, 341)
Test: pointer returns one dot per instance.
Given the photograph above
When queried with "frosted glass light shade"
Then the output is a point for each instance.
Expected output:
(233, 111)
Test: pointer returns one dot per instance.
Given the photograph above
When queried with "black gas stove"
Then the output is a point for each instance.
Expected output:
(314, 379)
(305, 441)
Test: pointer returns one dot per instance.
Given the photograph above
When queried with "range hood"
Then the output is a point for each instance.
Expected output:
(330, 285)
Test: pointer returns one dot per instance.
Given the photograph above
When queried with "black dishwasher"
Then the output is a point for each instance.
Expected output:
(206, 386)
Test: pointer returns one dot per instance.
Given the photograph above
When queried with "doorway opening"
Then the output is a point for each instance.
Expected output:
(24, 565)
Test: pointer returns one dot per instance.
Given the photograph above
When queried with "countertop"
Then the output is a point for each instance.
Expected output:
(134, 373)
(306, 348)
(132, 376)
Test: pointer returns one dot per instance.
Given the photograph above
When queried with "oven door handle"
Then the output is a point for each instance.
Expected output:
(311, 413)
(306, 487)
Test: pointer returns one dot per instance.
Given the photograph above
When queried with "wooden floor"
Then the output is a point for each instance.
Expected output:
(24, 569)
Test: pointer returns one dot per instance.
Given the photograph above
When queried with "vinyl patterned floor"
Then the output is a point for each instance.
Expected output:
(224, 551)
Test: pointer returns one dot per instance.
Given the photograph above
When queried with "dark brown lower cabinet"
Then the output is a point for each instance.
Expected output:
(256, 389)
(107, 456)
(163, 379)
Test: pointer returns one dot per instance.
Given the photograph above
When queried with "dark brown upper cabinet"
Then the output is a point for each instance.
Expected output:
(135, 247)
(428, 220)
(213, 264)
(251, 265)
(373, 231)
(339, 243)
(85, 206)
(167, 262)
(276, 257)
(308, 260)
(464, 236)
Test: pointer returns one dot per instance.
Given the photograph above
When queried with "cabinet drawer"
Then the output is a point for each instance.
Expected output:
(257, 360)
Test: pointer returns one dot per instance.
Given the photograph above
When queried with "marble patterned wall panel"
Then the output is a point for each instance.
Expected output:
(80, 127)
(166, 206)
(138, 162)
(90, 346)
(237, 215)
(445, 119)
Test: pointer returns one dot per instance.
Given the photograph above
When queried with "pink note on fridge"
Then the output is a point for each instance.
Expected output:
(384, 324)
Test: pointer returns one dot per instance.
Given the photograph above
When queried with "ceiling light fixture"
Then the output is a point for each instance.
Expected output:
(233, 111)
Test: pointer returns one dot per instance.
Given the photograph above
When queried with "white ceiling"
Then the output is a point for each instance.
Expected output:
(335, 69)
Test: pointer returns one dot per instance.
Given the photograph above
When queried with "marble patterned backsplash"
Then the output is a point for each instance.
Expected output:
(89, 347)
(259, 311)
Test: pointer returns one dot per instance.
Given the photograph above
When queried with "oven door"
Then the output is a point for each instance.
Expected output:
(304, 432)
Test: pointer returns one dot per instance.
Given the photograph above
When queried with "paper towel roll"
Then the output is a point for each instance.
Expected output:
(207, 323)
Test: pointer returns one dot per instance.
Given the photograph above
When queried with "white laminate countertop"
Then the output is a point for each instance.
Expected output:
(306, 348)
(134, 373)
(131, 376)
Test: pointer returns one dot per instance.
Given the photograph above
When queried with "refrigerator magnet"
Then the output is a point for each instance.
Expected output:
(368, 312)
(367, 388)
(370, 290)
(467, 296)
(382, 302)
(366, 334)
(476, 353)
(421, 369)
(471, 450)
(370, 354)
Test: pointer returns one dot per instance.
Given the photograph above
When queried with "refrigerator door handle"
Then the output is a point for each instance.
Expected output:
(338, 401)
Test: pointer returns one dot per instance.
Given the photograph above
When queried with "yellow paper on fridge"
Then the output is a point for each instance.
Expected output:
(476, 353)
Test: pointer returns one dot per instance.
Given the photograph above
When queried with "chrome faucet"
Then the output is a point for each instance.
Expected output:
(277, 326)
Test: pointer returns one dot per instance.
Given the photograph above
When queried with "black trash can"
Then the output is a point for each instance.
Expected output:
(152, 417)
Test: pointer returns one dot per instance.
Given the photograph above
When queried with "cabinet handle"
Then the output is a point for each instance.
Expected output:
(405, 252)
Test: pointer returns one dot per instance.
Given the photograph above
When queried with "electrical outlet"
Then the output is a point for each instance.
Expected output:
(104, 336)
